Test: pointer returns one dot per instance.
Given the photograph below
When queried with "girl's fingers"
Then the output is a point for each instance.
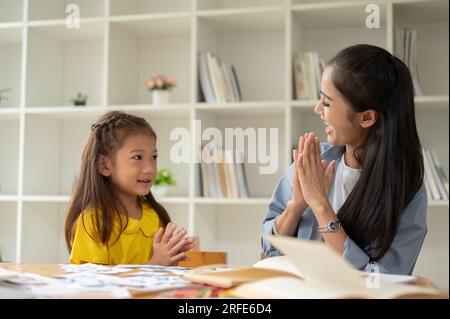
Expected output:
(187, 247)
(168, 232)
(177, 257)
(177, 247)
(177, 237)
(157, 238)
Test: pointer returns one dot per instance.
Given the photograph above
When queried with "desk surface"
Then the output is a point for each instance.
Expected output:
(52, 270)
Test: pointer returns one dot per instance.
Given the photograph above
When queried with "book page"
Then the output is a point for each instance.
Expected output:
(282, 263)
(321, 265)
(390, 290)
(231, 278)
(289, 288)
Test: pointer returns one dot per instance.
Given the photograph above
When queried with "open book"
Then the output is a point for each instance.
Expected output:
(310, 269)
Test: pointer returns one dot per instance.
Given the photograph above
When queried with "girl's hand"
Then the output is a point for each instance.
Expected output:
(297, 201)
(169, 246)
(314, 180)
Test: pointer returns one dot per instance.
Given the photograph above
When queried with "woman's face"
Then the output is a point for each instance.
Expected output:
(341, 123)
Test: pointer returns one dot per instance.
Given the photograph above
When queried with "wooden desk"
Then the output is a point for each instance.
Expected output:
(53, 270)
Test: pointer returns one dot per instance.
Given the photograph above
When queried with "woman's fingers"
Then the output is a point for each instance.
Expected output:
(301, 144)
(317, 150)
(312, 151)
(329, 177)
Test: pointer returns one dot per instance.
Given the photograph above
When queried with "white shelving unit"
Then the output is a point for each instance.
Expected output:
(122, 43)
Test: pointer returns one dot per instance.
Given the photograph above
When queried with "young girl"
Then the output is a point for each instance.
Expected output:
(369, 203)
(113, 217)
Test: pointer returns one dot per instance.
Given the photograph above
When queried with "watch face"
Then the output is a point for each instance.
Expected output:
(334, 225)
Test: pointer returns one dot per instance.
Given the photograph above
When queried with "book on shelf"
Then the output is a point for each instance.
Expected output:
(311, 269)
(435, 179)
(218, 79)
(223, 175)
(405, 48)
(307, 69)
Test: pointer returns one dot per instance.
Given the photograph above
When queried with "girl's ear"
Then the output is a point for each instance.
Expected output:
(368, 118)
(104, 166)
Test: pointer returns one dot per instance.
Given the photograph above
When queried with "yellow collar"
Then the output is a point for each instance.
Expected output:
(148, 222)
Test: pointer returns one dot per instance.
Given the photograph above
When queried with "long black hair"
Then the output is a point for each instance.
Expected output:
(369, 77)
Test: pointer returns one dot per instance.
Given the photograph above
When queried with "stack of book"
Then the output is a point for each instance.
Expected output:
(435, 180)
(405, 48)
(304, 272)
(307, 70)
(218, 80)
(223, 176)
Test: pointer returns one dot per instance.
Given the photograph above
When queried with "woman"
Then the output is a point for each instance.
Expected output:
(369, 202)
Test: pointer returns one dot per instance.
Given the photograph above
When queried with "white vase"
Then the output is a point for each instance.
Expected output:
(160, 191)
(160, 97)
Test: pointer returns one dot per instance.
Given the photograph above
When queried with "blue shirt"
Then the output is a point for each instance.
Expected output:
(404, 250)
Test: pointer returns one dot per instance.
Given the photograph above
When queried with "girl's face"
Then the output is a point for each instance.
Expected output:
(341, 123)
(135, 165)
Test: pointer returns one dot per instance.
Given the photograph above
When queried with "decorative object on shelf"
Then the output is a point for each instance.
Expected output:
(163, 181)
(80, 99)
(160, 86)
(3, 96)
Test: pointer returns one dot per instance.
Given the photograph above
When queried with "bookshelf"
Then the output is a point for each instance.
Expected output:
(122, 43)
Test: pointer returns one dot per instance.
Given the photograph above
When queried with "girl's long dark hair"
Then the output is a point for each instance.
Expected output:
(93, 190)
(369, 77)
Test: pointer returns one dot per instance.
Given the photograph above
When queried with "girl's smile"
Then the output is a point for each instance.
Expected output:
(145, 182)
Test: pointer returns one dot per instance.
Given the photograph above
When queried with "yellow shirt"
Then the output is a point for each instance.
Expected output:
(134, 246)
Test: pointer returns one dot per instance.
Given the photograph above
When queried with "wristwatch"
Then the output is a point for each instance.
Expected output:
(332, 226)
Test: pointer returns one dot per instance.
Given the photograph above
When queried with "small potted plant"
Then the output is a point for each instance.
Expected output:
(160, 86)
(3, 96)
(163, 180)
(80, 99)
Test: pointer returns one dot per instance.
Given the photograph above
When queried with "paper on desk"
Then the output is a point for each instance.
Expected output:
(92, 268)
(30, 279)
(140, 281)
(156, 268)
(65, 290)
(5, 274)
